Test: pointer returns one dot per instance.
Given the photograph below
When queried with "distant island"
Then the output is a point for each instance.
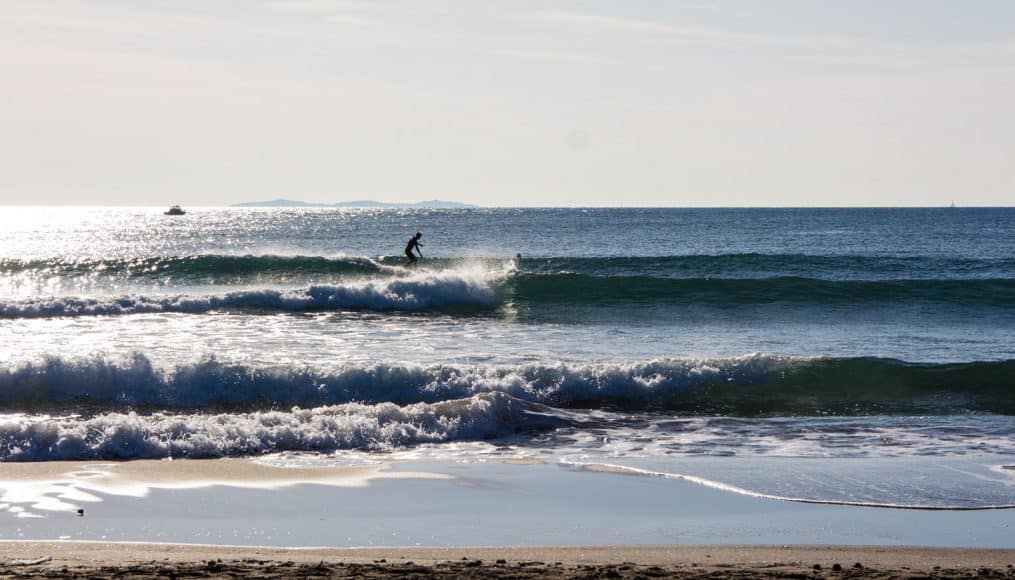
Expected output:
(430, 204)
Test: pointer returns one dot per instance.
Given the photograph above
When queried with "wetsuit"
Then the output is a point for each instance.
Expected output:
(413, 244)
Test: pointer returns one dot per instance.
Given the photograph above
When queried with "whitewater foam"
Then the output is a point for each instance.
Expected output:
(753, 385)
(136, 380)
(423, 290)
(351, 426)
(490, 426)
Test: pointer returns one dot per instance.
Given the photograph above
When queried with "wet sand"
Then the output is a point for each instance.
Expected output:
(139, 560)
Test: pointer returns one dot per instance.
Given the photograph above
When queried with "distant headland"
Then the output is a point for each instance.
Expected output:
(429, 204)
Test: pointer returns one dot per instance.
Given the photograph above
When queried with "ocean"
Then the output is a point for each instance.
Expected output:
(854, 356)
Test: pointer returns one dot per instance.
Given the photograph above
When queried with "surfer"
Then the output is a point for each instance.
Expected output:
(413, 244)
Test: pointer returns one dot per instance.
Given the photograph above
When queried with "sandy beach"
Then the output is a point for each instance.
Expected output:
(507, 289)
(74, 559)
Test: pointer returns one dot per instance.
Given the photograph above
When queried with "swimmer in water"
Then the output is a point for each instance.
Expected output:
(413, 244)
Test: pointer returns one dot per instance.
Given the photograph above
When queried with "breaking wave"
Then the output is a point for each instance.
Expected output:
(755, 385)
(427, 290)
(482, 289)
(329, 428)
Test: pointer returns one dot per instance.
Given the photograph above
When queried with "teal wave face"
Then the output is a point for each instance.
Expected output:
(723, 292)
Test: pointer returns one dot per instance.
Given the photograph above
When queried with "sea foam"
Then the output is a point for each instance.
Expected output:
(754, 385)
(328, 428)
(463, 287)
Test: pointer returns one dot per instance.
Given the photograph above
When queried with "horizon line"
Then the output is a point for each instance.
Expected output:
(324, 206)
(475, 207)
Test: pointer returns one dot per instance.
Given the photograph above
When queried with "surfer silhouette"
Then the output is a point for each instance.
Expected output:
(413, 245)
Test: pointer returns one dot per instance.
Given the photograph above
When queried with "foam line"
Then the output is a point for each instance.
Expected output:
(610, 467)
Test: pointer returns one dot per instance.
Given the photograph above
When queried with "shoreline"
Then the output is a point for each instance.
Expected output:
(139, 559)
(438, 504)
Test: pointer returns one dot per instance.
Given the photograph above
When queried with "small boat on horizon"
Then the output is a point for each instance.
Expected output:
(175, 210)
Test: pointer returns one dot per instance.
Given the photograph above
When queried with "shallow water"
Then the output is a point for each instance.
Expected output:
(494, 504)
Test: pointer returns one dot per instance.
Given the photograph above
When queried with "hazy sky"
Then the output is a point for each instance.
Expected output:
(630, 102)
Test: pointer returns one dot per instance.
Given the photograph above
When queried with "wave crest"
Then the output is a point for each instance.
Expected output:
(226, 267)
(329, 428)
(755, 385)
(480, 286)
(425, 290)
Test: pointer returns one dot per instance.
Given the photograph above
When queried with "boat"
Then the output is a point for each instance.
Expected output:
(175, 210)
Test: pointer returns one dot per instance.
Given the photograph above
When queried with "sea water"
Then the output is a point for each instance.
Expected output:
(858, 356)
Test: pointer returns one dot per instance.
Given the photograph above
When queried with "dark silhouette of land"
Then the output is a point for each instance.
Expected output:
(429, 204)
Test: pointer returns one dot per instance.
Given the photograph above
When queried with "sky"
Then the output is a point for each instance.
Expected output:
(508, 103)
